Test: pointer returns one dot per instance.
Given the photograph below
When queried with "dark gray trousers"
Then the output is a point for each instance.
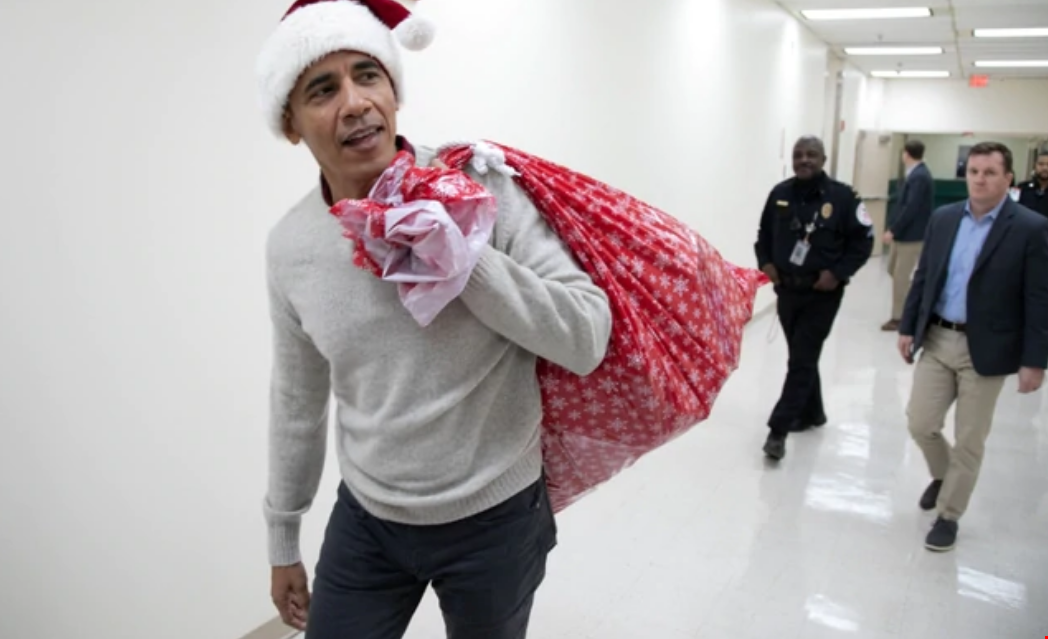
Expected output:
(485, 570)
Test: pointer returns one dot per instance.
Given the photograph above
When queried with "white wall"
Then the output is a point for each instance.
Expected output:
(1007, 106)
(853, 89)
(861, 99)
(661, 94)
(869, 110)
(139, 185)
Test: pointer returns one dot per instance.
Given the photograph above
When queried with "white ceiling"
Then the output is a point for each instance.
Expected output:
(950, 27)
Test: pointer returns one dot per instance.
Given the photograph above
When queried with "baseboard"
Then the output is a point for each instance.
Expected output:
(272, 629)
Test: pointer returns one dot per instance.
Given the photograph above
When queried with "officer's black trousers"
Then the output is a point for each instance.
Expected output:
(806, 316)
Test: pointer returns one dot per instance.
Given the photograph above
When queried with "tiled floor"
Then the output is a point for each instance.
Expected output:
(703, 539)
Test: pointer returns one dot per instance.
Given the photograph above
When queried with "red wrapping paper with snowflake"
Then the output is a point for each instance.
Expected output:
(678, 311)
(422, 228)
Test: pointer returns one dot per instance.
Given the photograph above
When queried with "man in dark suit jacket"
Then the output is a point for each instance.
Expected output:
(906, 235)
(978, 309)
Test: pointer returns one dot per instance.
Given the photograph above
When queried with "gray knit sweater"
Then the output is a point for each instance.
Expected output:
(433, 424)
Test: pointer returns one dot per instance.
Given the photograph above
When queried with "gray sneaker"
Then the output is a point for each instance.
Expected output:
(943, 536)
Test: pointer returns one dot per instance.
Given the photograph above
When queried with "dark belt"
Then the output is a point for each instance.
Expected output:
(953, 326)
(791, 280)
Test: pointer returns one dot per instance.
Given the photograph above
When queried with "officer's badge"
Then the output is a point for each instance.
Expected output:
(827, 211)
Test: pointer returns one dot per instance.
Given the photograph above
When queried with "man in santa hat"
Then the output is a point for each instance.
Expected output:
(437, 428)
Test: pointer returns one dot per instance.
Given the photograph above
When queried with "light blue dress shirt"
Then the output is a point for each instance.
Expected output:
(972, 234)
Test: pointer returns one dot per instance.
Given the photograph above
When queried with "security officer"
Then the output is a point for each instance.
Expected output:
(1034, 194)
(814, 235)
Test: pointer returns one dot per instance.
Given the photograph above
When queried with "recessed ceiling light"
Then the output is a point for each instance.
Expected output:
(1040, 32)
(910, 74)
(867, 14)
(893, 50)
(1005, 64)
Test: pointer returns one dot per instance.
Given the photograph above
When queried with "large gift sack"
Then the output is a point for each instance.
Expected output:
(678, 307)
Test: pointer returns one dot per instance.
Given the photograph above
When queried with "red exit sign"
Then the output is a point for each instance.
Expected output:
(980, 82)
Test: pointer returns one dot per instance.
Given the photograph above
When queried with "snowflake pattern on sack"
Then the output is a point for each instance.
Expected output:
(678, 309)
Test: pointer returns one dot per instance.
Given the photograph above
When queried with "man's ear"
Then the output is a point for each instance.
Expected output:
(290, 133)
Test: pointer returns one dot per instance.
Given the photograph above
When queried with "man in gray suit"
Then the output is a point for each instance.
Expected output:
(978, 308)
(906, 235)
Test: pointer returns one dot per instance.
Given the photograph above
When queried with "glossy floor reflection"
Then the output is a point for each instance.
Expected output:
(703, 539)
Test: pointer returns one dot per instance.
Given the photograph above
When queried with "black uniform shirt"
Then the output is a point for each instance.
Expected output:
(841, 240)
(1034, 198)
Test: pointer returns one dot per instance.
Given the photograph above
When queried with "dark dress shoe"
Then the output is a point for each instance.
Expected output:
(931, 495)
(943, 536)
(775, 446)
(890, 326)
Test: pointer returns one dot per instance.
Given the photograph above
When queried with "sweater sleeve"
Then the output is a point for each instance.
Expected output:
(533, 292)
(300, 389)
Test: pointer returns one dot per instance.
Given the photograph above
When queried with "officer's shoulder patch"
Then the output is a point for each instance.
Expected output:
(863, 215)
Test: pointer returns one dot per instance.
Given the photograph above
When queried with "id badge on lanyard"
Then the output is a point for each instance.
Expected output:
(800, 252)
(803, 246)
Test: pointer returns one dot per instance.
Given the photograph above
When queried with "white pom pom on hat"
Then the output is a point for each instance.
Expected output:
(312, 29)
(415, 33)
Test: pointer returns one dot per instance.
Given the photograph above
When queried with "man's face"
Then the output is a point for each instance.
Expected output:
(988, 182)
(808, 159)
(344, 108)
(1042, 168)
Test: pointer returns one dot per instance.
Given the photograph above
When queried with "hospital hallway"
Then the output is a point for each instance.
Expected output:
(702, 538)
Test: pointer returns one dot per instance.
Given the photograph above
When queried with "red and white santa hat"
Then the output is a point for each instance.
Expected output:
(312, 29)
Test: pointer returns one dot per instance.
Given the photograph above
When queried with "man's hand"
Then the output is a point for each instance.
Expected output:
(772, 273)
(889, 237)
(290, 592)
(1030, 379)
(906, 348)
(827, 282)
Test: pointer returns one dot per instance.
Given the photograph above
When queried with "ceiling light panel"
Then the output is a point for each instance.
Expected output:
(897, 51)
(1036, 32)
(1012, 64)
(867, 14)
(910, 74)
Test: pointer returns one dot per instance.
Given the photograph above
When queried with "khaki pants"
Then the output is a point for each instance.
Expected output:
(902, 262)
(945, 374)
